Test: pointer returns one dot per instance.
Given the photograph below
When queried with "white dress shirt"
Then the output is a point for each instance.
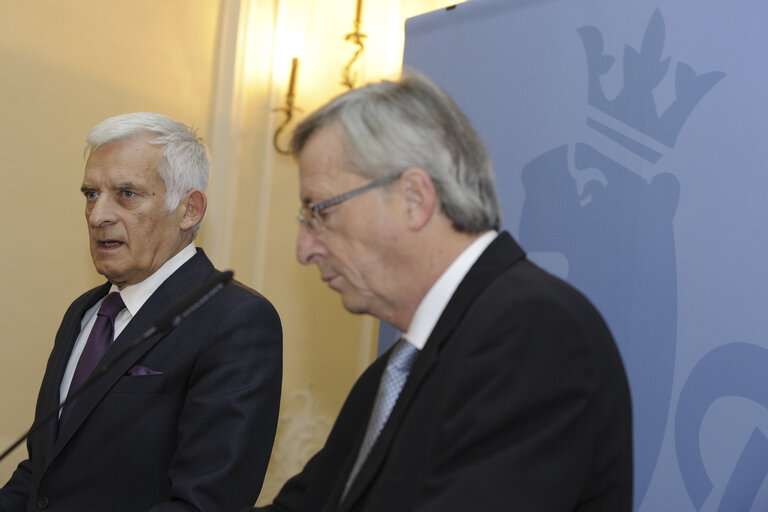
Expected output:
(432, 305)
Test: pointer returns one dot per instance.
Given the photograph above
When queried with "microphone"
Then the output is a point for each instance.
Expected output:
(163, 323)
(178, 312)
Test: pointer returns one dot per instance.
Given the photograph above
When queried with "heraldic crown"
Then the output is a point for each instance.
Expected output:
(635, 105)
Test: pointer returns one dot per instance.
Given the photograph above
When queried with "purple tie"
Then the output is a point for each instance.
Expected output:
(98, 342)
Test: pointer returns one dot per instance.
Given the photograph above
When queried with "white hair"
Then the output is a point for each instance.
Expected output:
(186, 165)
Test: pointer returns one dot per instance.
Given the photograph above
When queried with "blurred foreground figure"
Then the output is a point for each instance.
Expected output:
(508, 390)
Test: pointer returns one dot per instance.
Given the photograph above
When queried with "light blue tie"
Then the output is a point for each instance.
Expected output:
(391, 384)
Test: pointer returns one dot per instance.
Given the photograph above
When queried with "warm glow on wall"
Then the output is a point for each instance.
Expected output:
(293, 20)
(323, 47)
(259, 42)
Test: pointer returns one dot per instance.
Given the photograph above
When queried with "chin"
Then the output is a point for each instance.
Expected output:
(110, 273)
(354, 307)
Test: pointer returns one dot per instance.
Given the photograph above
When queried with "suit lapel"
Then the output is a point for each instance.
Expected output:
(502, 253)
(91, 397)
(50, 390)
(185, 278)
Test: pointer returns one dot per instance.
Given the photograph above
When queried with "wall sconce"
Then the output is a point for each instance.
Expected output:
(293, 18)
(288, 108)
(348, 79)
(293, 22)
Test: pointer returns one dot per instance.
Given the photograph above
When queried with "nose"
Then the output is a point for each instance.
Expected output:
(100, 211)
(308, 247)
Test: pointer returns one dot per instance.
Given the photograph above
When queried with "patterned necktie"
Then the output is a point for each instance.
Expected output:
(391, 384)
(98, 342)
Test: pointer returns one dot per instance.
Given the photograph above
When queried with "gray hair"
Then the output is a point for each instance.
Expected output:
(390, 126)
(186, 164)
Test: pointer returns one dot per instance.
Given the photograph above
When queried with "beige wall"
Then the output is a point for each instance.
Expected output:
(66, 65)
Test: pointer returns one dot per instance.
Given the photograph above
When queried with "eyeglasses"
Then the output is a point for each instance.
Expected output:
(309, 214)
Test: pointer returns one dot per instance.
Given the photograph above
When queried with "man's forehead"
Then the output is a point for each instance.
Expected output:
(122, 165)
(321, 161)
(325, 143)
(316, 183)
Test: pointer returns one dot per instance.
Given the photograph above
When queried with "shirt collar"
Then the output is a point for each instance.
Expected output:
(135, 295)
(432, 305)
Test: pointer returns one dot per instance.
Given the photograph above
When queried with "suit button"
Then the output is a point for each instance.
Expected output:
(42, 502)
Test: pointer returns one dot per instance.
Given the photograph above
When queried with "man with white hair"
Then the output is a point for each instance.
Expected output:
(506, 392)
(186, 419)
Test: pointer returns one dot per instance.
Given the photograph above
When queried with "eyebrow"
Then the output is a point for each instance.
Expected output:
(126, 185)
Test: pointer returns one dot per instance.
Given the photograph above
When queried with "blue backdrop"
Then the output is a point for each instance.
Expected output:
(630, 141)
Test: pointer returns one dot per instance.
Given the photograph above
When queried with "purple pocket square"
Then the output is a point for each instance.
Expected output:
(138, 370)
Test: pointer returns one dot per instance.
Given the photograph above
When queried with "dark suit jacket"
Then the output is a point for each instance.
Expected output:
(196, 436)
(518, 402)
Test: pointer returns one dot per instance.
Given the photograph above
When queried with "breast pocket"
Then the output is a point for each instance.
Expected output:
(140, 384)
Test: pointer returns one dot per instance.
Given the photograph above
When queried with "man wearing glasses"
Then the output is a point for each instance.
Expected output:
(506, 391)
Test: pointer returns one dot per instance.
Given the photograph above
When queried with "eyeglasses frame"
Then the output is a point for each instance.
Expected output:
(316, 208)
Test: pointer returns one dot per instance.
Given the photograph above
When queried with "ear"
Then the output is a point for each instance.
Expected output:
(420, 197)
(194, 209)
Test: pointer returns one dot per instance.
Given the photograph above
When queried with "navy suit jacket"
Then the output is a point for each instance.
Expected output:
(196, 434)
(518, 402)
